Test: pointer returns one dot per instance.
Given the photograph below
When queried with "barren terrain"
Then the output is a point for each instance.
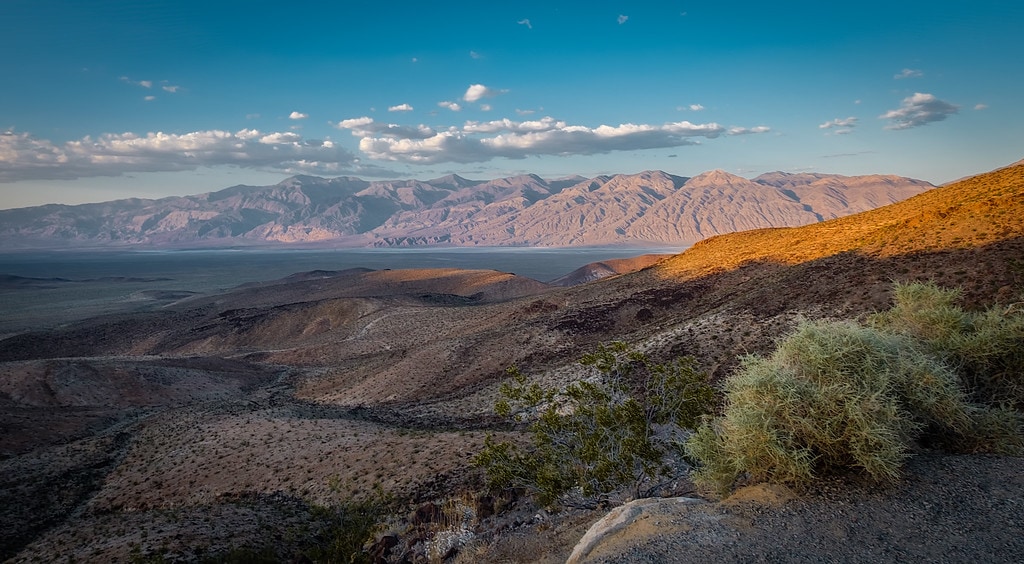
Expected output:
(220, 422)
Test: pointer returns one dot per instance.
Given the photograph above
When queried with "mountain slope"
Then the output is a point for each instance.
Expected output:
(651, 207)
(717, 202)
(980, 210)
(450, 220)
(593, 212)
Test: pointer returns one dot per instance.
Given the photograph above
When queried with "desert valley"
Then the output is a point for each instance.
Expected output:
(257, 423)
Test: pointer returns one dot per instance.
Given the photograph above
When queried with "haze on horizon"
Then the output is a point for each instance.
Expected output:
(111, 99)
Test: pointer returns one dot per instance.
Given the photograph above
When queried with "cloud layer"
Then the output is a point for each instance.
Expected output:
(481, 141)
(24, 157)
(919, 109)
(839, 122)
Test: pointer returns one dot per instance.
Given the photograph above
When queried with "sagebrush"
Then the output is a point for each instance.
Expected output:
(841, 395)
(986, 347)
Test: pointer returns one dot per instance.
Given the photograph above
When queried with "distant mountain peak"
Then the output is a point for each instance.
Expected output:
(524, 177)
(657, 174)
(300, 179)
(570, 178)
(717, 177)
(452, 181)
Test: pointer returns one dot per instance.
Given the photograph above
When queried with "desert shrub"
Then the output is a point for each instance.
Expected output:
(838, 395)
(986, 347)
(346, 528)
(619, 429)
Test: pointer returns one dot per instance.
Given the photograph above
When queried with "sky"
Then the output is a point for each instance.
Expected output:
(108, 99)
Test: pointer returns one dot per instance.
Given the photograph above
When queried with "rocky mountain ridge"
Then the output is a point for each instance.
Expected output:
(651, 207)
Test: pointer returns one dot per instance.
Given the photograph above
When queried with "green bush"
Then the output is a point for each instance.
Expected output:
(346, 528)
(596, 437)
(838, 395)
(986, 348)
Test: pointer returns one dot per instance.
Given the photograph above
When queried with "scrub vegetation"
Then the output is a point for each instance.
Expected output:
(841, 395)
(617, 430)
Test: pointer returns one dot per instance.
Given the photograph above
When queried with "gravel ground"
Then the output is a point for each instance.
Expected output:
(945, 509)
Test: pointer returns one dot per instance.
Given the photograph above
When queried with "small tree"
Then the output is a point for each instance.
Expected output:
(619, 429)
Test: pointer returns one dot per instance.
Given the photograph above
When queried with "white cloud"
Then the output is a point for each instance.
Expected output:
(142, 83)
(482, 141)
(475, 55)
(919, 109)
(748, 130)
(297, 115)
(477, 91)
(908, 73)
(691, 107)
(171, 88)
(453, 106)
(24, 157)
(149, 98)
(355, 123)
(846, 122)
(415, 60)
(622, 19)
(252, 116)
(981, 106)
(843, 131)
(367, 127)
(543, 124)
(525, 22)
(400, 108)
(525, 112)
(485, 107)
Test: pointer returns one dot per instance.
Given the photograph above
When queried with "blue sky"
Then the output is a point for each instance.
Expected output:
(105, 99)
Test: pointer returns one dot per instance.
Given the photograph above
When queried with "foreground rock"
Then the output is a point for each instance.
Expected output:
(945, 509)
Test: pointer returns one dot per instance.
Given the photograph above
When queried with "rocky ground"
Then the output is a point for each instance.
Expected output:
(228, 422)
(945, 509)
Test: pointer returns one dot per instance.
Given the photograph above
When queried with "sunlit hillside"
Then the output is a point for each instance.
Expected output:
(982, 210)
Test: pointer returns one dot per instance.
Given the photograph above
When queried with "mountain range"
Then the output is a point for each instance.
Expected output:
(647, 208)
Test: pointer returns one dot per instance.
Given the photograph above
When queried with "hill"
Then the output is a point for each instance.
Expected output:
(360, 377)
(646, 208)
